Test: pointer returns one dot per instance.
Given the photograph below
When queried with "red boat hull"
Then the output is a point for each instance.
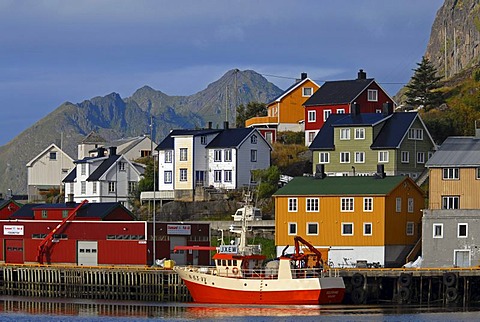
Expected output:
(202, 293)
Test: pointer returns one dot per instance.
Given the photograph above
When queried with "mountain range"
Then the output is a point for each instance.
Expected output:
(114, 117)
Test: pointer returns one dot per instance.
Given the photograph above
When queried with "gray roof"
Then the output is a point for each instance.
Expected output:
(459, 151)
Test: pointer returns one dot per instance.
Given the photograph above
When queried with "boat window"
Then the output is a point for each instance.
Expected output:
(229, 262)
(224, 262)
(219, 262)
(234, 262)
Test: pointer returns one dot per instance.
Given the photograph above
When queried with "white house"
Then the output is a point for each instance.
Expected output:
(219, 158)
(46, 171)
(103, 178)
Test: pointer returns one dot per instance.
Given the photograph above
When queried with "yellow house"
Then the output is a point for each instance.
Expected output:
(374, 219)
(285, 112)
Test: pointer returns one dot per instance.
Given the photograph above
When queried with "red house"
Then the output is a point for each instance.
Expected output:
(8, 207)
(94, 234)
(340, 97)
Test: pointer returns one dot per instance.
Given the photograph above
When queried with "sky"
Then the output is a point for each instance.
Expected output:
(53, 51)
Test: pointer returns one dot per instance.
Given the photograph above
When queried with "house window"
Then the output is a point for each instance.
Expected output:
(311, 136)
(228, 175)
(253, 155)
(347, 229)
(312, 228)
(437, 230)
(83, 187)
(44, 214)
(344, 134)
(341, 111)
(183, 154)
(383, 156)
(183, 174)
(326, 114)
(344, 157)
(410, 228)
(217, 175)
(217, 155)
(53, 156)
(478, 173)
(372, 95)
(132, 186)
(83, 168)
(415, 134)
(368, 204)
(398, 204)
(292, 205)
(253, 139)
(462, 230)
(292, 228)
(346, 204)
(168, 156)
(429, 154)
(167, 177)
(359, 134)
(420, 157)
(64, 213)
(324, 157)
(307, 91)
(227, 155)
(121, 166)
(450, 202)
(410, 205)
(111, 186)
(203, 140)
(405, 157)
(71, 188)
(451, 174)
(359, 157)
(367, 229)
(312, 204)
(312, 116)
(145, 153)
(94, 187)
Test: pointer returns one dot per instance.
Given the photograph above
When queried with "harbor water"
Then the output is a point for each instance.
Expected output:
(21, 309)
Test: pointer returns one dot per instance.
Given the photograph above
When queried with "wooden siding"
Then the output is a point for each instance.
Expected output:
(467, 188)
(319, 121)
(184, 142)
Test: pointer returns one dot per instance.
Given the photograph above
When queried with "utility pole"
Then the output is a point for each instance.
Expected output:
(154, 192)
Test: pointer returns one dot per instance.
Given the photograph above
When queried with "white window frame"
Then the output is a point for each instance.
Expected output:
(434, 231)
(450, 202)
(410, 228)
(344, 157)
(203, 140)
(326, 114)
(347, 204)
(311, 136)
(365, 224)
(83, 169)
(217, 155)
(345, 224)
(341, 111)
(451, 174)
(227, 155)
(415, 134)
(168, 156)
(367, 204)
(227, 175)
(253, 155)
(312, 116)
(323, 157)
(398, 204)
(290, 226)
(183, 175)
(360, 133)
(94, 187)
(307, 91)
(360, 157)
(466, 230)
(405, 157)
(253, 139)
(410, 204)
(383, 156)
(183, 154)
(217, 175)
(167, 177)
(112, 186)
(345, 134)
(83, 187)
(420, 157)
(312, 204)
(292, 205)
(308, 226)
(372, 95)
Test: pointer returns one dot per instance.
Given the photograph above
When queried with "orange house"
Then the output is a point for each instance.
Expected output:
(285, 112)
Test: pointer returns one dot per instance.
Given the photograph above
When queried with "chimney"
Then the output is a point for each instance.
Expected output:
(380, 171)
(303, 76)
(320, 171)
(100, 152)
(113, 150)
(225, 125)
(210, 125)
(387, 108)
(361, 74)
(355, 109)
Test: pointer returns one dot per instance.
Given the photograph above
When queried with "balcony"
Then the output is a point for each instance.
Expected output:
(261, 120)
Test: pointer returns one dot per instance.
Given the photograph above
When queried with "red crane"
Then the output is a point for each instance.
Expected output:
(298, 256)
(46, 243)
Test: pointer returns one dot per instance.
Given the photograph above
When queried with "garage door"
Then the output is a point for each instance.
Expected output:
(14, 251)
(87, 253)
(180, 257)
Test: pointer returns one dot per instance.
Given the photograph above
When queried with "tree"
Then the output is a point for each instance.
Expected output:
(251, 110)
(421, 91)
(267, 181)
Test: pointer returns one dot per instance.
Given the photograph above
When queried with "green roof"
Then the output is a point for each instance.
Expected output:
(370, 185)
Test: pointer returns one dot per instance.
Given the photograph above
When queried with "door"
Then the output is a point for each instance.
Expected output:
(14, 251)
(87, 253)
(199, 178)
(462, 258)
(180, 257)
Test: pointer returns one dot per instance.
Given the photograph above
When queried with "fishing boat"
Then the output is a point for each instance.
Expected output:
(242, 275)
